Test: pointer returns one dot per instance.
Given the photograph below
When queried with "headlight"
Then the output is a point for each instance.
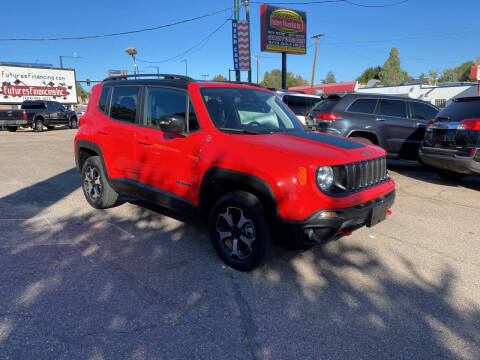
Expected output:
(324, 177)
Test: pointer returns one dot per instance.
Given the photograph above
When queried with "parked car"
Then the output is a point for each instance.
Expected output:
(11, 120)
(235, 155)
(395, 123)
(299, 103)
(40, 113)
(452, 140)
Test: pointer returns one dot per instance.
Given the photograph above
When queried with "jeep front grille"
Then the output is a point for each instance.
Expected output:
(363, 174)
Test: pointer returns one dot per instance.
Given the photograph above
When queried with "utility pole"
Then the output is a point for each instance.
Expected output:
(186, 66)
(257, 68)
(247, 13)
(314, 60)
(284, 70)
(236, 10)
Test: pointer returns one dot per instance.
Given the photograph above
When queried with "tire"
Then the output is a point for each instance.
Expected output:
(362, 139)
(95, 186)
(38, 125)
(73, 123)
(450, 175)
(244, 209)
(50, 127)
(12, 128)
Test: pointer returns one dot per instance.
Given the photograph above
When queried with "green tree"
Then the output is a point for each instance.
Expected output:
(82, 92)
(369, 74)
(423, 79)
(463, 71)
(391, 69)
(449, 75)
(273, 79)
(329, 79)
(433, 75)
(220, 77)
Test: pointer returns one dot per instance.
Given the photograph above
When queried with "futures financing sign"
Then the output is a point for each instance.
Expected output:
(19, 83)
(283, 30)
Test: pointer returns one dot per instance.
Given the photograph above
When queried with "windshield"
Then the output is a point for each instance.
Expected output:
(249, 111)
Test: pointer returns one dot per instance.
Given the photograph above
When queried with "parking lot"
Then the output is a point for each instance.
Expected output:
(141, 283)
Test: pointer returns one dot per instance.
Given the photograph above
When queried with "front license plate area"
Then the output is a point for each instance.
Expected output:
(377, 214)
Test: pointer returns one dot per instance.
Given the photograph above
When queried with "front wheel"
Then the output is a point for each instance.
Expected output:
(96, 188)
(239, 231)
(73, 123)
(12, 128)
(38, 125)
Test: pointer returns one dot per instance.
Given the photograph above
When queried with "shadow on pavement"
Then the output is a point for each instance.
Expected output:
(131, 283)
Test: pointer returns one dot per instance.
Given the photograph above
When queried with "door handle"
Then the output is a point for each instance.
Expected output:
(380, 119)
(103, 133)
(144, 143)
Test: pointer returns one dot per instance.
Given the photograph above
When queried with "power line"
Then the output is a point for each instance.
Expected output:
(201, 44)
(84, 37)
(330, 1)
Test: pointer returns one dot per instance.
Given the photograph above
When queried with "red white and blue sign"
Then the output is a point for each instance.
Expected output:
(241, 45)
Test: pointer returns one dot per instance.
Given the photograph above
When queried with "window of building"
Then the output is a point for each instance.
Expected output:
(440, 103)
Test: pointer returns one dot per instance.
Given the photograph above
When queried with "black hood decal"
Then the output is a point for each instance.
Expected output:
(336, 141)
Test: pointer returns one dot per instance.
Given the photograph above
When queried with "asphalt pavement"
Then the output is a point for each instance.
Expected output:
(136, 282)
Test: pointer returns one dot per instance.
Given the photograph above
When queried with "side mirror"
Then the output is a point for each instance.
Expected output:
(173, 123)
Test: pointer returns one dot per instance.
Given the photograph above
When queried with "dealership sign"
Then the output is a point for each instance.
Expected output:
(283, 30)
(241, 45)
(19, 83)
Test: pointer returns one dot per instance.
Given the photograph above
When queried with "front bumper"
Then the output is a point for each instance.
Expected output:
(317, 228)
(452, 162)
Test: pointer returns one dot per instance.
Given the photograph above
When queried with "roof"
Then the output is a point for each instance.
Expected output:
(340, 87)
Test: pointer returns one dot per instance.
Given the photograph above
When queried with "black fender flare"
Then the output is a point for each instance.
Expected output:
(373, 132)
(244, 181)
(89, 145)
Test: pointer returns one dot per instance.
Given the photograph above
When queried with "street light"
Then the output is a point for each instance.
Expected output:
(314, 59)
(132, 51)
(186, 67)
(75, 56)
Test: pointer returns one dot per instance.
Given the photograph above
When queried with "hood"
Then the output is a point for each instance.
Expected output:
(311, 147)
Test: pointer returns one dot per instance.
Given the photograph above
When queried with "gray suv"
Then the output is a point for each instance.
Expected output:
(395, 123)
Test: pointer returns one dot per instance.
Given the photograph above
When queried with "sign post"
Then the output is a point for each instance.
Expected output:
(475, 75)
(284, 31)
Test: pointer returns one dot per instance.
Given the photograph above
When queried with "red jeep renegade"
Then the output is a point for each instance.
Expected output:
(233, 153)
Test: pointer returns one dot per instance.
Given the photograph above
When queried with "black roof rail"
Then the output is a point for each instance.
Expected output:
(235, 82)
(140, 76)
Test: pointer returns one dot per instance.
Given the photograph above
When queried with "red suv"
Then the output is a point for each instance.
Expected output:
(232, 153)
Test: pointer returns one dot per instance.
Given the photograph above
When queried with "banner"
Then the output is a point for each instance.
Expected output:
(241, 45)
(19, 83)
(283, 30)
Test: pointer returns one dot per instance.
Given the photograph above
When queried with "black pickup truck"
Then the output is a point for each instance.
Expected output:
(37, 114)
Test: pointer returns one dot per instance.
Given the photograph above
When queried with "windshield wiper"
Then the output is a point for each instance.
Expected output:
(242, 131)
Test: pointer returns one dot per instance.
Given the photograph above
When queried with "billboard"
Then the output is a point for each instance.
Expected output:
(19, 83)
(283, 30)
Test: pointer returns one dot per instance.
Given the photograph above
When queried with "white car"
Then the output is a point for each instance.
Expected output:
(299, 103)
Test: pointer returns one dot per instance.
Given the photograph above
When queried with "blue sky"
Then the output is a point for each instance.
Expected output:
(429, 34)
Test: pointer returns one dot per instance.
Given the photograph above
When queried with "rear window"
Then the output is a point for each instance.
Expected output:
(298, 104)
(36, 106)
(325, 106)
(460, 110)
(365, 106)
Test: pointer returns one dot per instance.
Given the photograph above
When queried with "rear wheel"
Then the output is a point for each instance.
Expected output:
(96, 188)
(50, 127)
(38, 125)
(239, 231)
(450, 175)
(362, 139)
(12, 128)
